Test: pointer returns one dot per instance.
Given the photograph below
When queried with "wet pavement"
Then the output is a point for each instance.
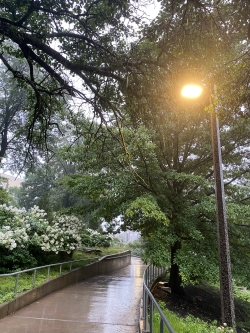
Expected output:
(103, 304)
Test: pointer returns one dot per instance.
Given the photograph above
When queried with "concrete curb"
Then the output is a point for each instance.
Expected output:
(141, 320)
(104, 265)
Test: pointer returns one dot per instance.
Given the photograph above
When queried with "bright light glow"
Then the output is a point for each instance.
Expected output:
(191, 91)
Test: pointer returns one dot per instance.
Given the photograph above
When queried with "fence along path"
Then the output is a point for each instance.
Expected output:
(102, 304)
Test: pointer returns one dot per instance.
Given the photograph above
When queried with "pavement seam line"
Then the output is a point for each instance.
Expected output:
(74, 321)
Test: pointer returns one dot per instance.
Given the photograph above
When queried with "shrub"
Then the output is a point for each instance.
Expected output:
(42, 257)
(63, 234)
(16, 259)
(92, 238)
(27, 238)
(137, 247)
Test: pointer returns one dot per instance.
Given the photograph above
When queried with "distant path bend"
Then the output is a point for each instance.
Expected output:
(102, 304)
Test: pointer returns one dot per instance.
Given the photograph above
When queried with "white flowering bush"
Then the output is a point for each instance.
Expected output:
(14, 227)
(63, 234)
(22, 231)
(94, 238)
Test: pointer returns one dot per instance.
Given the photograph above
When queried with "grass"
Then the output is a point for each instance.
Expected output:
(25, 280)
(193, 314)
(188, 324)
(7, 284)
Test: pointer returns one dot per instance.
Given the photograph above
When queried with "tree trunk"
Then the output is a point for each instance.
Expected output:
(175, 278)
(4, 143)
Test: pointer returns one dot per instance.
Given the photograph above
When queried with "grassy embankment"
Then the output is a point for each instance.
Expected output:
(191, 324)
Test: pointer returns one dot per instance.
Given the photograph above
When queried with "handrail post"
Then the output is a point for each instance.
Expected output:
(34, 279)
(48, 273)
(151, 312)
(143, 302)
(16, 285)
(161, 326)
(146, 314)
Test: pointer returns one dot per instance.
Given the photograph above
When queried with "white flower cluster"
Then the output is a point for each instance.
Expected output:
(93, 232)
(96, 233)
(62, 235)
(13, 238)
(16, 231)
(98, 239)
(13, 232)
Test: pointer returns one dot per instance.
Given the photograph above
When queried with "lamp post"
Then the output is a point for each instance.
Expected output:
(226, 290)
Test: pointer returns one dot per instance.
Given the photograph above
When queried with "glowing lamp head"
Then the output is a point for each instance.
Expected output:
(191, 91)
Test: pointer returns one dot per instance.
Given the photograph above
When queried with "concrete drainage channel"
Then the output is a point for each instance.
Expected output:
(103, 265)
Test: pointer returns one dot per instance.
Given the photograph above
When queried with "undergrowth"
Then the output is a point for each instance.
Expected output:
(188, 324)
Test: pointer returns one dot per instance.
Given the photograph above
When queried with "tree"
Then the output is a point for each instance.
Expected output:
(80, 51)
(12, 117)
(62, 39)
(4, 195)
(163, 184)
(88, 39)
(187, 55)
(17, 150)
(152, 165)
(172, 205)
(42, 188)
(95, 42)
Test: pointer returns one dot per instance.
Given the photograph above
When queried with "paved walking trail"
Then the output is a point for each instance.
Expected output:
(103, 304)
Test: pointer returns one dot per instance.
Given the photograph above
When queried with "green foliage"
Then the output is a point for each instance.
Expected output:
(95, 51)
(4, 196)
(198, 260)
(12, 121)
(189, 324)
(41, 257)
(118, 243)
(157, 247)
(137, 247)
(14, 193)
(144, 214)
(241, 293)
(41, 188)
(16, 259)
(86, 239)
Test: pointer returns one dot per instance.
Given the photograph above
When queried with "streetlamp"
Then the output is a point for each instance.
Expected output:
(226, 290)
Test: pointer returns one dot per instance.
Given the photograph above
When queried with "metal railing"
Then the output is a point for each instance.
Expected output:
(35, 269)
(149, 303)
